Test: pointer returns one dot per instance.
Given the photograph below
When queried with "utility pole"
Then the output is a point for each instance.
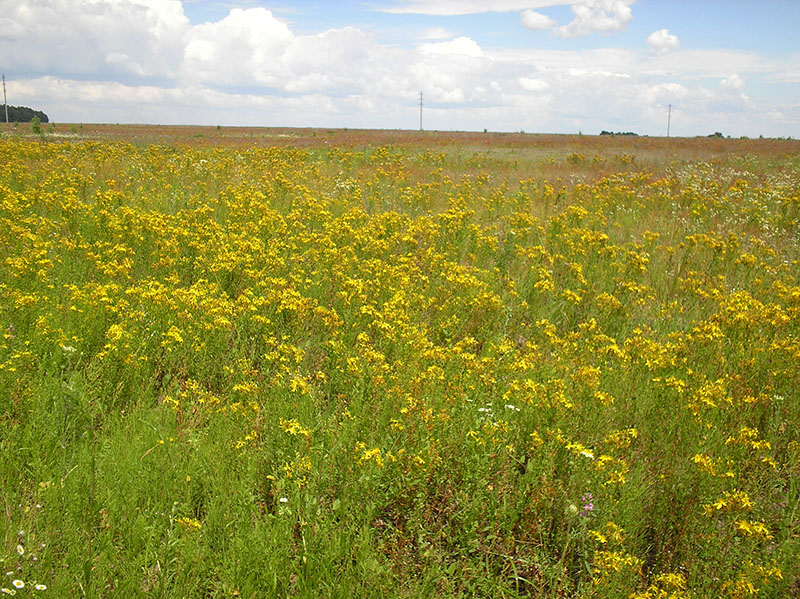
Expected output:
(420, 111)
(5, 104)
(669, 117)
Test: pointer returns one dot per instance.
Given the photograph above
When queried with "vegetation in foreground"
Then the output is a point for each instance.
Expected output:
(397, 371)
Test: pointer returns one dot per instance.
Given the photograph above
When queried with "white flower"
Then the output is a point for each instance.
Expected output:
(40, 587)
(284, 500)
(20, 549)
(18, 584)
(8, 591)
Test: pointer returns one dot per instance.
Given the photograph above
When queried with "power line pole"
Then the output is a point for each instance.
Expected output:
(669, 118)
(5, 104)
(420, 111)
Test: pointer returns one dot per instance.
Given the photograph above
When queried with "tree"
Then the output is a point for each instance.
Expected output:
(23, 114)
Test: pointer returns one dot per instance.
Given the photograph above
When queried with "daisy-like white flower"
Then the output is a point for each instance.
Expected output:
(18, 584)
(284, 499)
(20, 549)
(6, 591)
(40, 587)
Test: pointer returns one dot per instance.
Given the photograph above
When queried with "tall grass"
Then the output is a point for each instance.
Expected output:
(398, 370)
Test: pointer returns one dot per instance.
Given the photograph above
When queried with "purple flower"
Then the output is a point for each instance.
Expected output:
(588, 506)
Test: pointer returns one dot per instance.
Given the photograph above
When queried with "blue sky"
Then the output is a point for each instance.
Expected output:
(735, 24)
(541, 66)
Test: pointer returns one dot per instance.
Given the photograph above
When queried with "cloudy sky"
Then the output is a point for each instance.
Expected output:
(559, 66)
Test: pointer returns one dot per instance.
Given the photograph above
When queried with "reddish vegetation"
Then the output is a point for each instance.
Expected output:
(699, 147)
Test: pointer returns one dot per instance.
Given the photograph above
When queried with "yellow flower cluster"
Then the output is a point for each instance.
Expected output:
(408, 316)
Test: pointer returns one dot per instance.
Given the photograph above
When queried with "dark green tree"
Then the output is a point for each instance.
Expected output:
(23, 114)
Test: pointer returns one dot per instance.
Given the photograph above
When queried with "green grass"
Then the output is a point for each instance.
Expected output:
(400, 370)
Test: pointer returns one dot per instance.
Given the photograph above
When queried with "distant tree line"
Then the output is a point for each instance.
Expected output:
(23, 114)
(618, 133)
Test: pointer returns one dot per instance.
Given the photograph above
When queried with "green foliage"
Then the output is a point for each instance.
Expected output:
(397, 372)
(23, 114)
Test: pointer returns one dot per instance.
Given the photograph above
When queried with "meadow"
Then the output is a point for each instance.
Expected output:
(310, 363)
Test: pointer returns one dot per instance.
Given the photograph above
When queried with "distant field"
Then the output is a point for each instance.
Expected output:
(242, 362)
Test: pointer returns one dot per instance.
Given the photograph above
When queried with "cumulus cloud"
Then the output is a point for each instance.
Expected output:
(91, 37)
(665, 93)
(333, 60)
(662, 41)
(536, 21)
(733, 82)
(462, 46)
(142, 60)
(596, 16)
(449, 72)
(533, 84)
(247, 43)
(253, 48)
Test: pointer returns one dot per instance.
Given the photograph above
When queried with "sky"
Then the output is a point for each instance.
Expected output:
(539, 66)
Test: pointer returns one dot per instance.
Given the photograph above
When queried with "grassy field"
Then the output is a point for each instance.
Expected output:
(313, 363)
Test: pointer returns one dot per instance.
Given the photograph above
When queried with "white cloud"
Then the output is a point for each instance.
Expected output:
(452, 95)
(336, 58)
(533, 85)
(462, 46)
(82, 101)
(468, 7)
(733, 82)
(662, 41)
(787, 71)
(536, 21)
(596, 16)
(664, 93)
(443, 78)
(785, 76)
(436, 33)
(596, 73)
(94, 37)
(560, 61)
(10, 29)
(142, 61)
(245, 45)
(706, 63)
